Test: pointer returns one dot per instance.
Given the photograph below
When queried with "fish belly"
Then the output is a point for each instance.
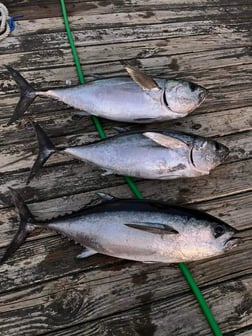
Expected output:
(107, 233)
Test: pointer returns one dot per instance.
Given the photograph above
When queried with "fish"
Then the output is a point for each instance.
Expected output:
(145, 154)
(140, 230)
(137, 98)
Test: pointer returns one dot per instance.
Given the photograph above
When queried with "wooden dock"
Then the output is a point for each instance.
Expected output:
(44, 290)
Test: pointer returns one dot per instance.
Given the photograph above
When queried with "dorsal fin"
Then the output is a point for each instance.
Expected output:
(143, 80)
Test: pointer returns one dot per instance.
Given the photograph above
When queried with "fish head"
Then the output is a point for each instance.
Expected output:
(183, 97)
(208, 238)
(223, 235)
(207, 154)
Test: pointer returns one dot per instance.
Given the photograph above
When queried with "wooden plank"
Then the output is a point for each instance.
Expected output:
(114, 35)
(228, 53)
(241, 332)
(235, 209)
(64, 131)
(51, 9)
(146, 15)
(163, 315)
(81, 301)
(79, 177)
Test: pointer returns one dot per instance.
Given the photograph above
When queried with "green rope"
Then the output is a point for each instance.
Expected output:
(184, 269)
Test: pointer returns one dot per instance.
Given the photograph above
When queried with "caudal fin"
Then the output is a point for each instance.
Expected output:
(46, 149)
(27, 95)
(25, 225)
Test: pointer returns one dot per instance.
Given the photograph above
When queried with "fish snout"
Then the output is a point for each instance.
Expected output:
(223, 152)
(202, 94)
(233, 242)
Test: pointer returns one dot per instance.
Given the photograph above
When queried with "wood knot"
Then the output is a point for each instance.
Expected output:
(67, 305)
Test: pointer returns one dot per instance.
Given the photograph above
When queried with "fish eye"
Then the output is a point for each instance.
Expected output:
(219, 230)
(192, 86)
(217, 146)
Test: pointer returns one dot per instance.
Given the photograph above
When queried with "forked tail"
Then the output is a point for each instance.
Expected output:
(27, 95)
(46, 149)
(25, 225)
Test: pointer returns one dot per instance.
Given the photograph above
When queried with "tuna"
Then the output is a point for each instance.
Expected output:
(145, 154)
(138, 98)
(140, 230)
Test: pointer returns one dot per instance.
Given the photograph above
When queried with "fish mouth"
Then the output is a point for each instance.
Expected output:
(233, 242)
(203, 94)
(225, 152)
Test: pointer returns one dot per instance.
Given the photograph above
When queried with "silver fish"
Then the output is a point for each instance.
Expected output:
(141, 230)
(138, 99)
(145, 154)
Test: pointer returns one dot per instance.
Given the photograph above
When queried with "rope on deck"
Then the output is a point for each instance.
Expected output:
(4, 26)
(7, 24)
(184, 269)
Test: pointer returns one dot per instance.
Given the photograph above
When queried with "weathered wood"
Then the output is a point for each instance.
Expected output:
(124, 34)
(178, 9)
(225, 180)
(231, 52)
(100, 18)
(241, 332)
(78, 299)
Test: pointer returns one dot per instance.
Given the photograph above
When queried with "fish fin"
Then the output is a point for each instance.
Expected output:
(25, 225)
(86, 253)
(77, 114)
(106, 197)
(107, 172)
(165, 140)
(155, 228)
(46, 149)
(27, 95)
(144, 120)
(120, 129)
(96, 76)
(143, 80)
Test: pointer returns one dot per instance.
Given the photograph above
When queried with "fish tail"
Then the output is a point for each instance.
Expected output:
(46, 149)
(27, 95)
(25, 225)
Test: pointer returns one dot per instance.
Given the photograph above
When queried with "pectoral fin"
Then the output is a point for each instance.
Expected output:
(143, 80)
(106, 197)
(107, 172)
(144, 120)
(86, 253)
(120, 130)
(165, 140)
(155, 228)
